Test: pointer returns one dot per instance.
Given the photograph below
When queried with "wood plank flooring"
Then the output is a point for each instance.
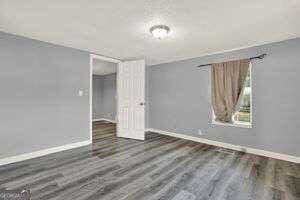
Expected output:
(161, 167)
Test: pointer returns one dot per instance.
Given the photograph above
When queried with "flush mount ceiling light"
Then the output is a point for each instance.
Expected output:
(159, 31)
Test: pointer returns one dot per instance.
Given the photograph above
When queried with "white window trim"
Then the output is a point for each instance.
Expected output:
(237, 124)
(234, 124)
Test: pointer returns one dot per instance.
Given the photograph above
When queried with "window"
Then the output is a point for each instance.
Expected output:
(243, 117)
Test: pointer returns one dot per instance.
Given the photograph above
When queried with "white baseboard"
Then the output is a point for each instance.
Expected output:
(104, 119)
(43, 152)
(230, 146)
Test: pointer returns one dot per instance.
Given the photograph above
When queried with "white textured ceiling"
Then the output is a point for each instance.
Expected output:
(120, 29)
(103, 67)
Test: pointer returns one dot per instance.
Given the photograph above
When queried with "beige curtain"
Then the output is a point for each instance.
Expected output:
(227, 85)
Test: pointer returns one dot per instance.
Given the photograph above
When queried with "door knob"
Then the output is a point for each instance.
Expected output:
(141, 104)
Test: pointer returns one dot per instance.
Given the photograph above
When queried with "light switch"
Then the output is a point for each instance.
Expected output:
(80, 93)
(199, 132)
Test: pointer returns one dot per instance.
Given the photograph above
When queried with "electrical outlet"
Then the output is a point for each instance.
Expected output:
(199, 132)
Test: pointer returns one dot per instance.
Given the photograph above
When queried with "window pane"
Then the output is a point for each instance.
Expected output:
(243, 115)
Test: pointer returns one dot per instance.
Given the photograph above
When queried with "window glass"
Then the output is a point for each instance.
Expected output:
(244, 113)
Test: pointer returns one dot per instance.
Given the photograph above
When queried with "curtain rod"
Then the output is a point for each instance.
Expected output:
(262, 56)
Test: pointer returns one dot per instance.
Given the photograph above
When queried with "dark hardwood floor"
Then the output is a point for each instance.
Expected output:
(159, 168)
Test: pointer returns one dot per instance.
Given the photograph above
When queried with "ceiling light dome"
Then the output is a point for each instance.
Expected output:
(159, 31)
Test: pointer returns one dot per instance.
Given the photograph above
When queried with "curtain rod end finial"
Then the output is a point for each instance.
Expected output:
(262, 56)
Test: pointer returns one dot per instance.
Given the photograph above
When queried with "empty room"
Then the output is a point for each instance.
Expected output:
(149, 100)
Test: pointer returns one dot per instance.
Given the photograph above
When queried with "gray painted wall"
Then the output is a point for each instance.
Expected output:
(104, 96)
(39, 106)
(179, 98)
(97, 91)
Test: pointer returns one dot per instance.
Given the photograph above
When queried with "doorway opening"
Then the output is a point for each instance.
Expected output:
(129, 97)
(103, 94)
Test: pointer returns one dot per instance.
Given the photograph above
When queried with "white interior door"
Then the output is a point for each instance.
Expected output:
(131, 99)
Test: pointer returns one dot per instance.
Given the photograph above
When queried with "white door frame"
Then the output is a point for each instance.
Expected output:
(92, 58)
